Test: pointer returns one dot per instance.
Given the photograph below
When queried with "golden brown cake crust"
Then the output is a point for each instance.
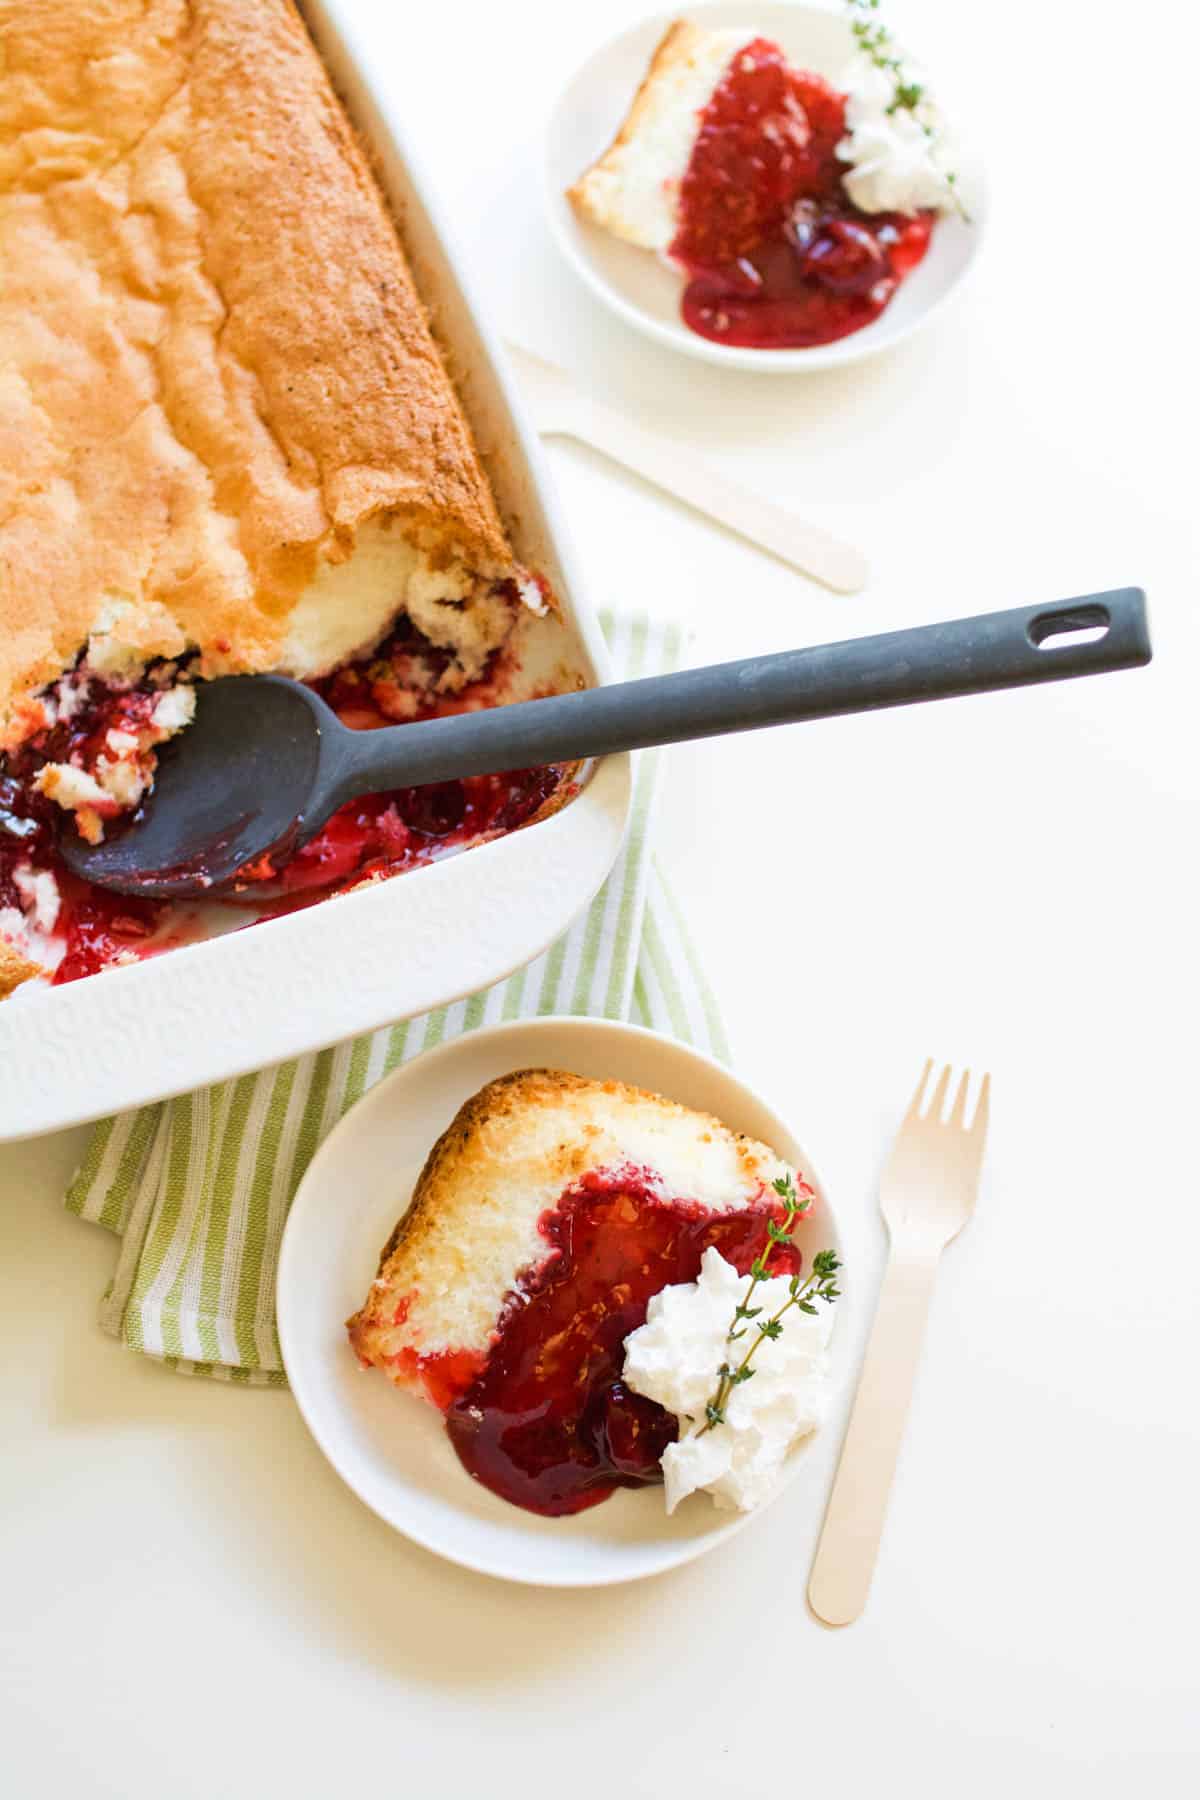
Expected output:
(214, 366)
(502, 1107)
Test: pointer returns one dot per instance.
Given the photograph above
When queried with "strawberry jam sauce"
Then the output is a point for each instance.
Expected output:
(385, 833)
(368, 838)
(546, 1422)
(95, 928)
(776, 255)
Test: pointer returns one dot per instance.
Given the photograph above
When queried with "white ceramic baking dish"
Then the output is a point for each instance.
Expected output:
(249, 998)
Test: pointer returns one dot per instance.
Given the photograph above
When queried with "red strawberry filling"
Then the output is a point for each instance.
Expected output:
(777, 256)
(545, 1421)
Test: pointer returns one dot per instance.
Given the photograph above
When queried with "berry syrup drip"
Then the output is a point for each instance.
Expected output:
(547, 1422)
(776, 255)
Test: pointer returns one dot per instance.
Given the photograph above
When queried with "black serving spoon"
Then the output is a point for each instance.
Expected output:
(265, 762)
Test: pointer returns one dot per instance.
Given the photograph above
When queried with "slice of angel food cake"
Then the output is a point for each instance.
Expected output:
(563, 1287)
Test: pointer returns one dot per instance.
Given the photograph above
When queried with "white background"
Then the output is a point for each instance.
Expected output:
(191, 1604)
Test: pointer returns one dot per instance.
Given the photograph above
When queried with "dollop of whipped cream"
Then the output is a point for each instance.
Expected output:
(674, 1358)
(900, 158)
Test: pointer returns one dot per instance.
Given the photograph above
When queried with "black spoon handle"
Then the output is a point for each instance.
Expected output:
(896, 668)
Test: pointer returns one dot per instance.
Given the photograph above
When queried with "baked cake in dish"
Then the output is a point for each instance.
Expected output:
(547, 1216)
(792, 207)
(228, 444)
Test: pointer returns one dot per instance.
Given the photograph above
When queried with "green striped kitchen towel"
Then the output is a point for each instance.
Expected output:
(197, 1189)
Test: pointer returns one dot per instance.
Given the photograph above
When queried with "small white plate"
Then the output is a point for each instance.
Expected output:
(641, 288)
(391, 1448)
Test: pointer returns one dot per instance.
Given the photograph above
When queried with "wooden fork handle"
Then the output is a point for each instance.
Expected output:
(849, 1543)
(666, 465)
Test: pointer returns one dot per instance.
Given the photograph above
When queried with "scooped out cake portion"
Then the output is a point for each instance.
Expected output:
(548, 1215)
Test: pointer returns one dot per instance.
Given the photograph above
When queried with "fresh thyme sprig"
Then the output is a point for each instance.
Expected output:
(877, 44)
(802, 1292)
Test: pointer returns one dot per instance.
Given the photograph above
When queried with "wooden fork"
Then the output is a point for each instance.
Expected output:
(926, 1194)
(560, 409)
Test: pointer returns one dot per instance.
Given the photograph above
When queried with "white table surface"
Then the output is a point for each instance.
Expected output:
(191, 1602)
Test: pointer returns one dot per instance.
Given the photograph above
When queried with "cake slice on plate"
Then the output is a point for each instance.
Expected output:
(547, 1216)
(793, 207)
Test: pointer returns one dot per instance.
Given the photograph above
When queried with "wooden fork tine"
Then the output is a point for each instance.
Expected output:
(939, 1096)
(914, 1110)
(979, 1123)
(958, 1112)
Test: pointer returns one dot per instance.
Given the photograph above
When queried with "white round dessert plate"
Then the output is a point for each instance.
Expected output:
(390, 1447)
(642, 288)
